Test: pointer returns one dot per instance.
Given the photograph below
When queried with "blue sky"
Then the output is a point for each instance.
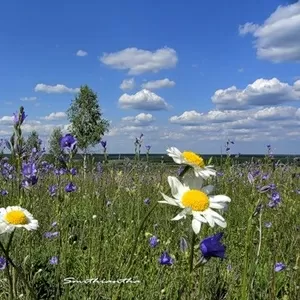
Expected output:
(186, 74)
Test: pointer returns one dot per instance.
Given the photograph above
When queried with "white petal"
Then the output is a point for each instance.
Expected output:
(208, 189)
(181, 215)
(196, 225)
(217, 205)
(221, 223)
(215, 214)
(197, 215)
(219, 198)
(175, 154)
(169, 200)
(194, 183)
(176, 186)
(209, 218)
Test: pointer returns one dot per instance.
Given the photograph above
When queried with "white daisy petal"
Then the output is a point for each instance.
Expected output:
(208, 189)
(175, 154)
(207, 215)
(217, 205)
(221, 223)
(197, 215)
(175, 185)
(219, 198)
(181, 215)
(194, 183)
(214, 214)
(196, 225)
(169, 200)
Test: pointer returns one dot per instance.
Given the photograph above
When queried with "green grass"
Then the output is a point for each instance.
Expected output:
(101, 247)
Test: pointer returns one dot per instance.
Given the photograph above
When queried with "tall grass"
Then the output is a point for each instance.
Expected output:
(98, 224)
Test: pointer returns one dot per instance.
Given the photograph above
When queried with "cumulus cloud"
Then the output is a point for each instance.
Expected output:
(278, 38)
(141, 119)
(262, 92)
(54, 89)
(158, 84)
(28, 99)
(138, 61)
(143, 100)
(81, 53)
(55, 116)
(127, 84)
(6, 120)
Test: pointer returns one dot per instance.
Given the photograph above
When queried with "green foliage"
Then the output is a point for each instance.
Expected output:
(88, 125)
(33, 141)
(54, 142)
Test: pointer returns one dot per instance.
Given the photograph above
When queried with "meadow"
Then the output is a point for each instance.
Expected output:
(103, 234)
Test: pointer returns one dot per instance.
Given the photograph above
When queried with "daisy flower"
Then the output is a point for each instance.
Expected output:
(192, 159)
(16, 217)
(195, 200)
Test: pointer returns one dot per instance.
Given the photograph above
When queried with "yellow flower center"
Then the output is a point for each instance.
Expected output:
(193, 159)
(16, 217)
(196, 200)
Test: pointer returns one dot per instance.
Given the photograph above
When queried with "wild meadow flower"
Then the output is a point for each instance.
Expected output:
(16, 217)
(53, 190)
(3, 263)
(19, 117)
(73, 171)
(53, 260)
(279, 267)
(147, 201)
(68, 142)
(183, 244)
(166, 259)
(148, 147)
(196, 202)
(153, 241)
(51, 235)
(268, 224)
(70, 187)
(103, 144)
(3, 192)
(275, 199)
(212, 247)
(192, 159)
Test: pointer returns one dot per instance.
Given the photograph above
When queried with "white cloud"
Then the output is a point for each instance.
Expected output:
(143, 100)
(262, 92)
(158, 84)
(28, 98)
(278, 38)
(6, 120)
(81, 53)
(55, 116)
(248, 28)
(127, 84)
(55, 89)
(139, 61)
(141, 119)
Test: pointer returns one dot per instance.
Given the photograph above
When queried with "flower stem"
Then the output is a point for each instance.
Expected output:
(191, 260)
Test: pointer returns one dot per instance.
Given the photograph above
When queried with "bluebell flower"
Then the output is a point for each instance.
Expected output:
(70, 187)
(3, 263)
(147, 201)
(279, 267)
(212, 247)
(166, 259)
(53, 260)
(153, 241)
(68, 142)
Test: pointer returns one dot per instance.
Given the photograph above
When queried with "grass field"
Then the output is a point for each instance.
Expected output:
(103, 226)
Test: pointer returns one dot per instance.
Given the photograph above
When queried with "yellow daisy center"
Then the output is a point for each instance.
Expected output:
(16, 217)
(193, 159)
(196, 200)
